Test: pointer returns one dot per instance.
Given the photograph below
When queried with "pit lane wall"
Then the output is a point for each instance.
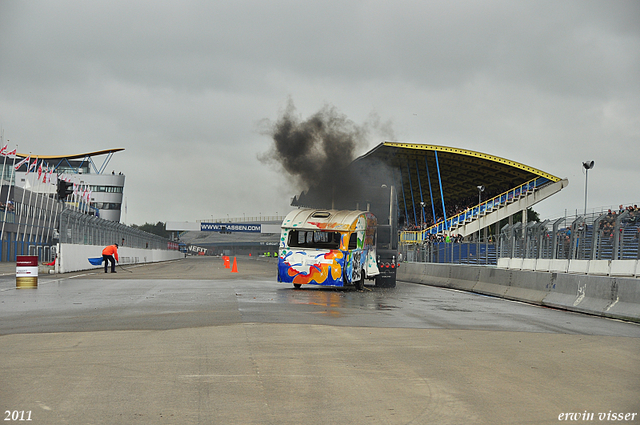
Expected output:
(73, 257)
(609, 296)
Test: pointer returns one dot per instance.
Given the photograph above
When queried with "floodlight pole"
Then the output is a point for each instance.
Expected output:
(480, 190)
(587, 166)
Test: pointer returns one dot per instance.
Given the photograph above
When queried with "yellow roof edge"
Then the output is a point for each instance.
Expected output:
(475, 154)
(75, 156)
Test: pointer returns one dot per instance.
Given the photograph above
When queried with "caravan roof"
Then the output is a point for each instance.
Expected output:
(322, 219)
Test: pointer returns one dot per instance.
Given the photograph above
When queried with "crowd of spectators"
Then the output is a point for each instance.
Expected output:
(607, 225)
(443, 238)
(7, 207)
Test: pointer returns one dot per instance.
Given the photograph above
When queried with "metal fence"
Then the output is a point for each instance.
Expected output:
(480, 252)
(83, 229)
(595, 237)
(591, 237)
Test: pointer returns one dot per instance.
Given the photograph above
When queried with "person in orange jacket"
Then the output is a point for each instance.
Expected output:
(108, 255)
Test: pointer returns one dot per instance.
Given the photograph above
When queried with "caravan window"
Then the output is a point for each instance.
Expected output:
(314, 239)
(353, 241)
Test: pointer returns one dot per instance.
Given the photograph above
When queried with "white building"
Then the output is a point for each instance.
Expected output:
(106, 187)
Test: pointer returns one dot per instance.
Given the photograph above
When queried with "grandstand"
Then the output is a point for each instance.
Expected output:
(441, 190)
(458, 191)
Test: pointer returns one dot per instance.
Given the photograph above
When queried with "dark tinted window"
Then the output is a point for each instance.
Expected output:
(314, 239)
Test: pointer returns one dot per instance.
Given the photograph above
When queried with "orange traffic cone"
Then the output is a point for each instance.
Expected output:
(234, 269)
(226, 262)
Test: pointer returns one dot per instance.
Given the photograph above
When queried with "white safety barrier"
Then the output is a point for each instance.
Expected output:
(617, 297)
(72, 257)
(622, 268)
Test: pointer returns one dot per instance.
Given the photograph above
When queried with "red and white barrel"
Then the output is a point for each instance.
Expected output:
(27, 271)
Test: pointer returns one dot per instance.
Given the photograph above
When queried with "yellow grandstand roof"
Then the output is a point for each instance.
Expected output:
(459, 171)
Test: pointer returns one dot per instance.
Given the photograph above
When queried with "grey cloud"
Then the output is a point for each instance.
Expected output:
(546, 83)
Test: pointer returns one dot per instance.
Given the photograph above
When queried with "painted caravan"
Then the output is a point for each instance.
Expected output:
(328, 247)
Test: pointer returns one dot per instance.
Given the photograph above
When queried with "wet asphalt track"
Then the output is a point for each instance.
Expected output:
(191, 342)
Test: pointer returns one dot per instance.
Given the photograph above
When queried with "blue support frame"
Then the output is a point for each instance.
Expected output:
(420, 187)
(433, 208)
(444, 211)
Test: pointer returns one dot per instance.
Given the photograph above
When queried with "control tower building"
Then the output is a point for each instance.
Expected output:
(106, 187)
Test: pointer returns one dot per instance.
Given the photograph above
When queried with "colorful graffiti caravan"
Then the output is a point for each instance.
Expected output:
(328, 247)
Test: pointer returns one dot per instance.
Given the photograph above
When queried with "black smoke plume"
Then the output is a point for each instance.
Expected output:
(316, 153)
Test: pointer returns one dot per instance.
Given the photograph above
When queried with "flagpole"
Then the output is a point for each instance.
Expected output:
(39, 201)
(2, 151)
(87, 199)
(52, 214)
(6, 204)
(47, 220)
(4, 148)
(81, 197)
(26, 221)
(74, 196)
(24, 190)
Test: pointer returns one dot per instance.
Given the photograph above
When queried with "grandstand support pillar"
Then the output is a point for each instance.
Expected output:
(444, 209)
(413, 202)
(595, 238)
(618, 235)
(512, 244)
(524, 227)
(486, 245)
(422, 204)
(433, 208)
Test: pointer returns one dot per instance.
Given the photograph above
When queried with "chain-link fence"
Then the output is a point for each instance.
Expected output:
(457, 252)
(83, 229)
(610, 236)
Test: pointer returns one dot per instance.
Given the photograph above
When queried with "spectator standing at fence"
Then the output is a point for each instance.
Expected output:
(108, 254)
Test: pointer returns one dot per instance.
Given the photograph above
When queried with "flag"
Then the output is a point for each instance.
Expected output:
(40, 171)
(13, 152)
(4, 148)
(19, 164)
(32, 166)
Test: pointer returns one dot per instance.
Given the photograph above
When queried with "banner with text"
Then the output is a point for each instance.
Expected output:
(231, 227)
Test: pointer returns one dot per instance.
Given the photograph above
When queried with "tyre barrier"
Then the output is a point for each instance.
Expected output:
(607, 296)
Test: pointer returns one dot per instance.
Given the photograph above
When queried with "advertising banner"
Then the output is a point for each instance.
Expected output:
(231, 227)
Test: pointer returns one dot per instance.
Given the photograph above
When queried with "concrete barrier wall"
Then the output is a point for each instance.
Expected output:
(616, 297)
(624, 268)
(73, 258)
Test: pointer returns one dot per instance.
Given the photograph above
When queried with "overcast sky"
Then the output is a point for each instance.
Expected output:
(186, 86)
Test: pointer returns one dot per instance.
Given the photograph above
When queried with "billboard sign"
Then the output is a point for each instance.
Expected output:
(231, 227)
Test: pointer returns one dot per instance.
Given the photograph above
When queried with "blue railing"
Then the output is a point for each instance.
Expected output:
(473, 213)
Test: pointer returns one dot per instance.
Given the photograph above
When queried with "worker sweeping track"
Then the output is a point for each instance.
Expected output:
(110, 255)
